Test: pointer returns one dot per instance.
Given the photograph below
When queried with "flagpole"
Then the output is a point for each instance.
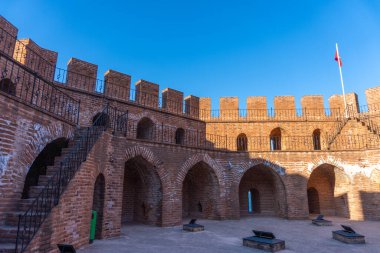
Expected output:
(341, 80)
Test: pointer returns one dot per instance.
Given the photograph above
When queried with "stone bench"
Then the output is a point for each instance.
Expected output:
(193, 227)
(347, 237)
(271, 245)
(321, 222)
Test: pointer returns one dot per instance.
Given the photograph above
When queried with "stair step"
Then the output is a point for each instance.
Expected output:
(13, 217)
(51, 171)
(7, 247)
(43, 179)
(25, 204)
(35, 190)
(8, 233)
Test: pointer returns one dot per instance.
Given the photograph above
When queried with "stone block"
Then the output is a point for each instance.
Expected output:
(321, 222)
(347, 237)
(271, 245)
(193, 227)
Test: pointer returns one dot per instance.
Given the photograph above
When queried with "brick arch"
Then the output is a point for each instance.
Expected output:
(43, 136)
(333, 184)
(144, 114)
(193, 160)
(276, 177)
(328, 160)
(284, 131)
(277, 169)
(212, 204)
(149, 156)
(101, 117)
(17, 163)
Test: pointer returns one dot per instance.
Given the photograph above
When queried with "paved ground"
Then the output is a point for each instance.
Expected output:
(226, 236)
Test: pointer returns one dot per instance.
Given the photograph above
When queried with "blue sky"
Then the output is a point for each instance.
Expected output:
(215, 48)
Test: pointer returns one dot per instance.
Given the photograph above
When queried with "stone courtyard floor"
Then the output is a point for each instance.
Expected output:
(226, 236)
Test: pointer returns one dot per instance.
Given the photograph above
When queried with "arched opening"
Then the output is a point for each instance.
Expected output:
(317, 139)
(328, 186)
(142, 193)
(98, 204)
(180, 136)
(242, 142)
(145, 129)
(275, 139)
(8, 86)
(313, 200)
(267, 192)
(39, 166)
(255, 200)
(200, 193)
(101, 119)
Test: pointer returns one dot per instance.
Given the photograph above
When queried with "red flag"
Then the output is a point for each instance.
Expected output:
(338, 59)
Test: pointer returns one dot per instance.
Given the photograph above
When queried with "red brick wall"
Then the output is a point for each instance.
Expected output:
(170, 180)
(24, 132)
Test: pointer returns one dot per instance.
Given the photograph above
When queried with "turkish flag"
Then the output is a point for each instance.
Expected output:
(338, 59)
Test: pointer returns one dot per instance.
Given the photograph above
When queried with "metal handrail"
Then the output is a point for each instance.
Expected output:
(19, 81)
(42, 205)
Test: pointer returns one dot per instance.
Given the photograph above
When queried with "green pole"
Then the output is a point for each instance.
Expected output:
(93, 225)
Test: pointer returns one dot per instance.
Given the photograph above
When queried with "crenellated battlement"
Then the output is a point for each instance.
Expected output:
(82, 75)
(151, 155)
(312, 107)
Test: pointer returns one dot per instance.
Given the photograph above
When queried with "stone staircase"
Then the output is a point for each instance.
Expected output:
(9, 224)
(338, 128)
(367, 122)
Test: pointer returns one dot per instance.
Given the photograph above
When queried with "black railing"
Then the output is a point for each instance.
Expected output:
(28, 55)
(305, 114)
(370, 109)
(18, 81)
(146, 130)
(356, 142)
(31, 220)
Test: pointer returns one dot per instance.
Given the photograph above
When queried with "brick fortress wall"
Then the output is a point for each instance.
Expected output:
(186, 181)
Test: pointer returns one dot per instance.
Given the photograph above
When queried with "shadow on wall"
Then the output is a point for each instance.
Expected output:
(39, 167)
(327, 189)
(370, 202)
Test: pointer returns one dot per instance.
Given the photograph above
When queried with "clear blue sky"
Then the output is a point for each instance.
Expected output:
(215, 48)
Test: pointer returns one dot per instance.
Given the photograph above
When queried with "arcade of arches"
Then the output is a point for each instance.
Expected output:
(261, 190)
(202, 194)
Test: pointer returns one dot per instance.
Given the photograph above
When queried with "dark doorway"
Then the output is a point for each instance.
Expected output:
(313, 199)
(98, 204)
(145, 129)
(275, 139)
(180, 136)
(45, 158)
(317, 139)
(255, 200)
(101, 119)
(8, 86)
(242, 142)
